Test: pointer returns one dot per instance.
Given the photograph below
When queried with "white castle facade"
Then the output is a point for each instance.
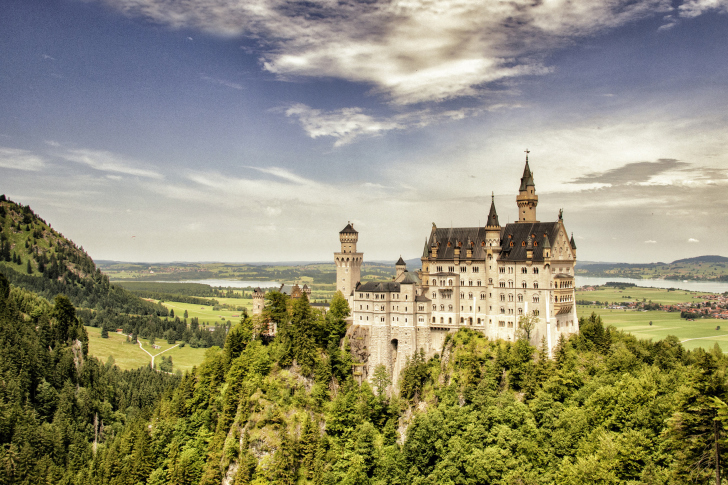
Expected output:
(484, 278)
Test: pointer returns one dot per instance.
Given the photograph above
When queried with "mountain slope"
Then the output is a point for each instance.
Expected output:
(36, 257)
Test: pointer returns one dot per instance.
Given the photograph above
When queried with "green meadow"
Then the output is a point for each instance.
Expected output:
(130, 356)
(206, 314)
(699, 333)
(633, 293)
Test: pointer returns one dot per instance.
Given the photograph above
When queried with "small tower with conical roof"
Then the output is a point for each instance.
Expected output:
(527, 199)
(348, 261)
(492, 227)
(401, 266)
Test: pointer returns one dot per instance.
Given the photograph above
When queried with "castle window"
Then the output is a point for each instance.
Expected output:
(442, 320)
(482, 296)
(433, 320)
(451, 269)
(463, 269)
(476, 269)
(502, 297)
(520, 297)
(535, 270)
(434, 295)
(503, 310)
(478, 321)
(510, 311)
(510, 297)
(462, 295)
(535, 298)
(535, 243)
(511, 244)
(502, 284)
(449, 282)
(449, 319)
(449, 307)
(490, 257)
(434, 308)
(520, 311)
(523, 284)
(502, 270)
(510, 283)
(510, 324)
(479, 283)
(535, 313)
(470, 295)
(524, 270)
(442, 308)
(462, 320)
(535, 284)
(523, 244)
(490, 281)
(501, 323)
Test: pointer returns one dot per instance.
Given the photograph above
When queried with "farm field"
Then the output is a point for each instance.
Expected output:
(206, 314)
(129, 356)
(633, 293)
(698, 333)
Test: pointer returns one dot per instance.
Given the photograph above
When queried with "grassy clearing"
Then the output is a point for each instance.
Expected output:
(657, 295)
(130, 356)
(206, 314)
(698, 333)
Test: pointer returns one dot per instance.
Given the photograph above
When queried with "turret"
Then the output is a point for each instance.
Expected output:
(546, 248)
(492, 227)
(401, 266)
(527, 199)
(348, 261)
(573, 244)
(348, 237)
(258, 301)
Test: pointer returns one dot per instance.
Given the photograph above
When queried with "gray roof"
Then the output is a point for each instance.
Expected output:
(400, 262)
(518, 234)
(408, 278)
(455, 235)
(422, 298)
(383, 286)
(349, 229)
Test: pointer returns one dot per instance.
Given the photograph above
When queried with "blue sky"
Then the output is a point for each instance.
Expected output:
(159, 130)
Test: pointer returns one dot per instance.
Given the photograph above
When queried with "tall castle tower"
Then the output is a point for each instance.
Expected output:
(527, 199)
(348, 261)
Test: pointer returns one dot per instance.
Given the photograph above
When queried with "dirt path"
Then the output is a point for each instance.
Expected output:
(153, 356)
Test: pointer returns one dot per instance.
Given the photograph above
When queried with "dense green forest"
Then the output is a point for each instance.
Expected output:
(607, 408)
(58, 405)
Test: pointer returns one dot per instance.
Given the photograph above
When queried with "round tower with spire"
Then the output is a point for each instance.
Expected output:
(348, 261)
(527, 199)
(493, 228)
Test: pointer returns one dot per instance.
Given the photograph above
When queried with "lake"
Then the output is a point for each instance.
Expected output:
(702, 286)
(233, 283)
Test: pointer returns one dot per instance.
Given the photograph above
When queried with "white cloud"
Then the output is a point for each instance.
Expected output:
(221, 82)
(14, 158)
(109, 162)
(693, 240)
(650, 242)
(348, 124)
(693, 8)
(410, 51)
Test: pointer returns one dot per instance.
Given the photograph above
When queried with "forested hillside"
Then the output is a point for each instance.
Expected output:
(607, 409)
(36, 257)
(57, 403)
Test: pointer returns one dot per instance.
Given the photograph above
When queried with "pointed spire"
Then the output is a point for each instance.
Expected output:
(493, 215)
(527, 179)
(546, 243)
(400, 262)
(426, 251)
(573, 244)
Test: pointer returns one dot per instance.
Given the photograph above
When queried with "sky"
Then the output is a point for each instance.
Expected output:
(243, 131)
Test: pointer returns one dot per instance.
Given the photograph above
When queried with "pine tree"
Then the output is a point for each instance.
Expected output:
(29, 268)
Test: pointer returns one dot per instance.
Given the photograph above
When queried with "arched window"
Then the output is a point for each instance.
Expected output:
(449, 282)
(520, 297)
(462, 295)
(449, 307)
(470, 296)
(433, 320)
(442, 320)
(462, 320)
(434, 282)
(442, 308)
(502, 297)
(524, 270)
(535, 298)
(535, 284)
(482, 296)
(449, 319)
(523, 284)
(510, 297)
(535, 270)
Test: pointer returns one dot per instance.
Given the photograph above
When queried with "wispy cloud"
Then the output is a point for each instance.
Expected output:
(650, 241)
(693, 240)
(221, 82)
(348, 124)
(631, 173)
(109, 162)
(693, 8)
(14, 158)
(411, 52)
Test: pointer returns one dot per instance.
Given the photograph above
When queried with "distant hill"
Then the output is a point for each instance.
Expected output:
(36, 257)
(701, 268)
(703, 259)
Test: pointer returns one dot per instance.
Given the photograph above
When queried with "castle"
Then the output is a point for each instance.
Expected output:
(483, 278)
